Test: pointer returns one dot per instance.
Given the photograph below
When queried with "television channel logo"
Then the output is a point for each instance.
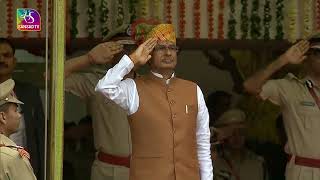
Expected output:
(28, 19)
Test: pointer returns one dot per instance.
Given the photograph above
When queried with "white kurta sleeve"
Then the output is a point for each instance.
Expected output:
(203, 139)
(122, 92)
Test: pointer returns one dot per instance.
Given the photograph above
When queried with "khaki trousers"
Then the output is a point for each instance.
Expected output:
(105, 171)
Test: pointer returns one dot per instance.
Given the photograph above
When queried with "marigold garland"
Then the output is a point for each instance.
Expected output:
(221, 20)
(9, 17)
(210, 19)
(91, 12)
(318, 14)
(244, 19)
(279, 19)
(39, 9)
(307, 17)
(266, 20)
(196, 14)
(292, 20)
(25, 5)
(74, 19)
(232, 21)
(182, 21)
(168, 11)
(49, 17)
(104, 17)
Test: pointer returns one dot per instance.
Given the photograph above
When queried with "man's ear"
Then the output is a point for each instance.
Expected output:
(14, 61)
(3, 118)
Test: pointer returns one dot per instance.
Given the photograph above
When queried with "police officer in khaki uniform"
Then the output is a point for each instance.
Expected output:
(110, 125)
(14, 160)
(234, 160)
(299, 101)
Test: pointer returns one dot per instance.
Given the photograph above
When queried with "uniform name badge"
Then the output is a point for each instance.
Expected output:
(307, 103)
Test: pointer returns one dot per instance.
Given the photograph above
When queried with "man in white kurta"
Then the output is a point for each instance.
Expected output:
(124, 92)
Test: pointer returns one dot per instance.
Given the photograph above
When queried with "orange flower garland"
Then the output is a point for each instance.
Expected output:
(168, 11)
(39, 8)
(318, 14)
(9, 16)
(25, 5)
(49, 16)
(196, 14)
(221, 20)
(182, 21)
(210, 19)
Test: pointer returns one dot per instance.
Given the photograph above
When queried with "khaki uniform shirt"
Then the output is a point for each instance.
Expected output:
(12, 165)
(110, 124)
(300, 113)
(251, 167)
(301, 117)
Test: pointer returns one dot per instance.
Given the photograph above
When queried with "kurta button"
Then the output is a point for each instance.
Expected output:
(174, 116)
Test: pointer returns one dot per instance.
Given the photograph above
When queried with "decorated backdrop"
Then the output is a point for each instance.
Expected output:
(208, 19)
(205, 19)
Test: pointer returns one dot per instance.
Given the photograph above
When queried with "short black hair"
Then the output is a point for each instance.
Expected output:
(7, 41)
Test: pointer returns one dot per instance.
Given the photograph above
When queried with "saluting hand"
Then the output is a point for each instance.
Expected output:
(104, 52)
(296, 54)
(142, 54)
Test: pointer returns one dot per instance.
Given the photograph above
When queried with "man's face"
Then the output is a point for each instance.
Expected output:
(313, 61)
(164, 56)
(12, 118)
(7, 60)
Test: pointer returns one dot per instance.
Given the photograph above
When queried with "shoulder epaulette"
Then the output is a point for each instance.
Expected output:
(292, 77)
(20, 149)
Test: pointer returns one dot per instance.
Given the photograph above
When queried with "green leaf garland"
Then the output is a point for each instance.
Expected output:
(279, 19)
(232, 21)
(74, 19)
(120, 16)
(132, 10)
(104, 17)
(244, 19)
(266, 20)
(91, 12)
(255, 21)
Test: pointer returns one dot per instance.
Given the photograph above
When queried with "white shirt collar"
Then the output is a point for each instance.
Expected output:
(160, 76)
